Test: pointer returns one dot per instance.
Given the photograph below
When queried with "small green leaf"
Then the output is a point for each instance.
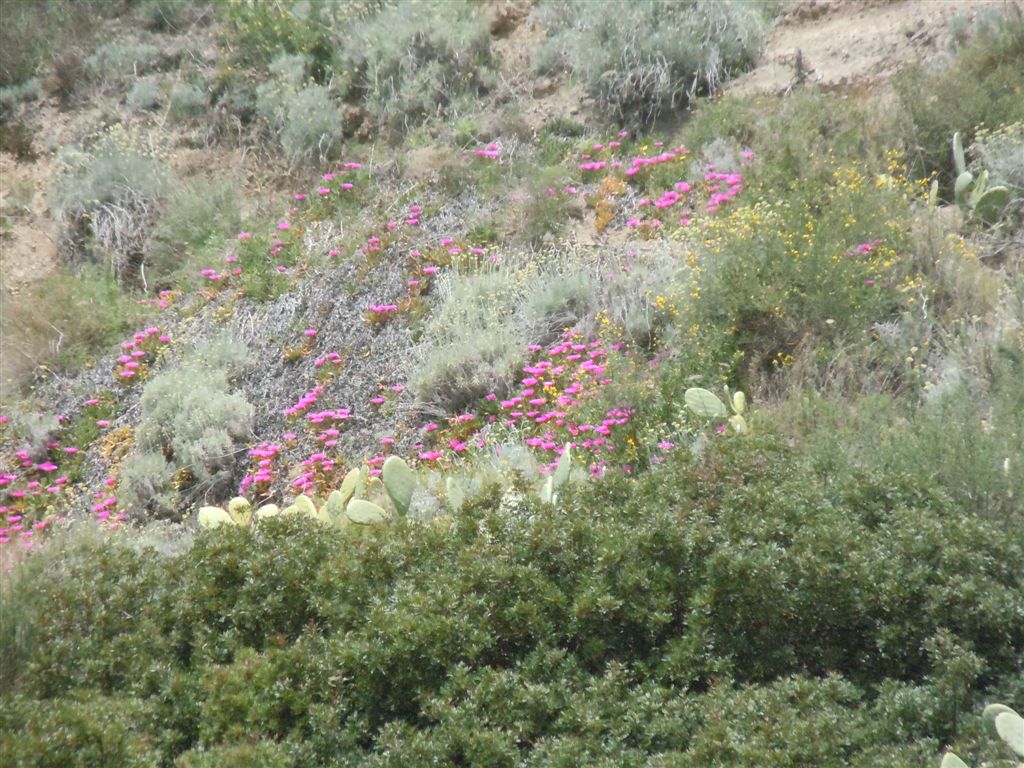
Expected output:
(952, 761)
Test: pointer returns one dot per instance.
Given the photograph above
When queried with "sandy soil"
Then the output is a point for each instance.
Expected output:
(837, 43)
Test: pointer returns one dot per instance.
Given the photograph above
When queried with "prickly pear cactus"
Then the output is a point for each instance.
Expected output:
(241, 511)
(990, 204)
(704, 403)
(400, 483)
(1008, 724)
(363, 512)
(214, 517)
(963, 185)
(1010, 727)
(959, 161)
(350, 485)
(267, 510)
(561, 473)
(456, 495)
(739, 403)
(332, 513)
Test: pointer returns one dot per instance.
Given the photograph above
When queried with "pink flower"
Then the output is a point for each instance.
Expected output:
(310, 332)
(244, 235)
(284, 225)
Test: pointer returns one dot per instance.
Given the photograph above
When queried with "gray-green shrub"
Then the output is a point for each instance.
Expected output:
(190, 417)
(638, 59)
(411, 62)
(106, 193)
(144, 95)
(117, 61)
(476, 339)
(186, 100)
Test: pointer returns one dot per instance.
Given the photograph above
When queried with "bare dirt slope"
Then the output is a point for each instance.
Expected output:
(837, 43)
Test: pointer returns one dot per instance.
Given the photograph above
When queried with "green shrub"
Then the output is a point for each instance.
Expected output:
(653, 55)
(34, 29)
(304, 117)
(714, 609)
(255, 33)
(81, 731)
(161, 15)
(810, 266)
(313, 126)
(475, 340)
(262, 754)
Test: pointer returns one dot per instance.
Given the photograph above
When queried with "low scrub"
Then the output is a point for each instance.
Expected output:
(651, 56)
(413, 63)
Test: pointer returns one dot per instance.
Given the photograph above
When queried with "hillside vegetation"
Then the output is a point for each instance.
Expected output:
(477, 384)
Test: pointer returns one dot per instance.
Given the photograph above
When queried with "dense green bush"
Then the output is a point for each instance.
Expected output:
(716, 609)
(642, 59)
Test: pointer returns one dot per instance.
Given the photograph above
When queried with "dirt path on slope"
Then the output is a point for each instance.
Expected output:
(839, 43)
